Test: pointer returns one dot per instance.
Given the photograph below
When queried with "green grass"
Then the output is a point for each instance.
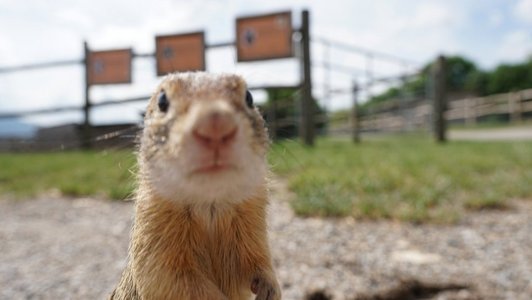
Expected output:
(401, 178)
(105, 174)
(404, 178)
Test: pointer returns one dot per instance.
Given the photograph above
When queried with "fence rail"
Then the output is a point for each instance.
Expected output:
(38, 66)
(398, 115)
(514, 104)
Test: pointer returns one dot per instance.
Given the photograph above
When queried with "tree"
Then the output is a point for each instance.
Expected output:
(506, 78)
(464, 76)
(477, 83)
(284, 103)
(460, 72)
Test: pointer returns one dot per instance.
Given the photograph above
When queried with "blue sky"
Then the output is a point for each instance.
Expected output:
(488, 32)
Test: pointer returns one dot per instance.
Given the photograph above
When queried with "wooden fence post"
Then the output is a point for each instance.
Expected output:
(403, 106)
(470, 111)
(306, 128)
(355, 116)
(514, 107)
(86, 131)
(439, 98)
(272, 120)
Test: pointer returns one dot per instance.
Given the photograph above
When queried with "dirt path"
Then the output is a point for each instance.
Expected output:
(495, 134)
(75, 249)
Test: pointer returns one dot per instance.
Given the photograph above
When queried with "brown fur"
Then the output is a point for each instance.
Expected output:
(182, 249)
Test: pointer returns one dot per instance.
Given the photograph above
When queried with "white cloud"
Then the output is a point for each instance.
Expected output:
(433, 14)
(495, 19)
(515, 46)
(523, 11)
(7, 52)
(73, 17)
(405, 29)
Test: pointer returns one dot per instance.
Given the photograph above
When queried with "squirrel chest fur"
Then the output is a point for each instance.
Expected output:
(200, 206)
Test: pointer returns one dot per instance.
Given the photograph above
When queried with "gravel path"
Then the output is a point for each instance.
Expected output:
(75, 249)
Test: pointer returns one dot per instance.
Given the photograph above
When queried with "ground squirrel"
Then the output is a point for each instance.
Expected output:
(200, 227)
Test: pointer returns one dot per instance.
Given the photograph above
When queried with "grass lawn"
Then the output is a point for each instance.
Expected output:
(405, 178)
(106, 174)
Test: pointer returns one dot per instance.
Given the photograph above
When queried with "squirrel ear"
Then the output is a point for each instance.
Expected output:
(162, 101)
(249, 99)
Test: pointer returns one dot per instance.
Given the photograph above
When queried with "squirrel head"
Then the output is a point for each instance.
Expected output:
(203, 139)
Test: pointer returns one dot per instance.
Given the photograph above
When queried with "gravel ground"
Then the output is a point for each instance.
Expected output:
(75, 249)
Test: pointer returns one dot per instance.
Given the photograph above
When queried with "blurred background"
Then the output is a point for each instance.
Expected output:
(385, 47)
(403, 126)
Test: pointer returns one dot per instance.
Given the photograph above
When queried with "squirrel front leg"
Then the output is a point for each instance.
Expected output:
(265, 286)
(250, 226)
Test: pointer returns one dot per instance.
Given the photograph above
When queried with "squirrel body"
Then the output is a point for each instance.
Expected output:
(200, 227)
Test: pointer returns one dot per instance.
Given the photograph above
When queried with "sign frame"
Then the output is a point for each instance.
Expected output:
(251, 18)
(201, 34)
(129, 66)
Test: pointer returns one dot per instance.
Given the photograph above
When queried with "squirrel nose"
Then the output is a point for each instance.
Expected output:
(215, 130)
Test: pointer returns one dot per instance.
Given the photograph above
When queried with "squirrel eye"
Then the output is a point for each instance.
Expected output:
(162, 101)
(249, 99)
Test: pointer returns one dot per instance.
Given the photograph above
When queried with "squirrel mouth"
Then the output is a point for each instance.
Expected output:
(213, 168)
(214, 163)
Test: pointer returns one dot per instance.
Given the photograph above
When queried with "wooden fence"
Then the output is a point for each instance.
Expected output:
(515, 105)
(400, 115)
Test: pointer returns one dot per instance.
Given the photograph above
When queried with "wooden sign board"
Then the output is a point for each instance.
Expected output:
(180, 52)
(109, 67)
(264, 37)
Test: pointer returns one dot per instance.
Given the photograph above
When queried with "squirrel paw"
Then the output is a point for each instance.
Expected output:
(266, 288)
